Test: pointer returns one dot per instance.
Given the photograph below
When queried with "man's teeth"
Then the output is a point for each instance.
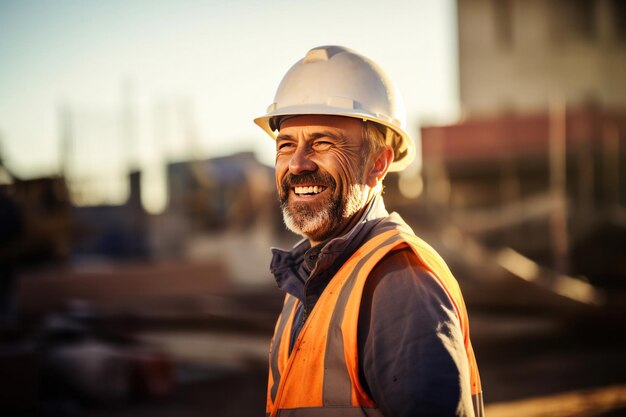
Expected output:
(314, 189)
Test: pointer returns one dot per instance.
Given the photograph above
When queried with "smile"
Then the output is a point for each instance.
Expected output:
(309, 190)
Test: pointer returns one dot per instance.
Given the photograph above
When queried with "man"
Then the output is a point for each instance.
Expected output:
(373, 322)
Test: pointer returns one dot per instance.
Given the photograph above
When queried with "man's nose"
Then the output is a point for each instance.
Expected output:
(301, 162)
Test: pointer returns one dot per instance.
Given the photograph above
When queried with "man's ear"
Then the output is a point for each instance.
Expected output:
(380, 167)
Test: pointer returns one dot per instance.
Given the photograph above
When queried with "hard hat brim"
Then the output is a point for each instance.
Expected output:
(403, 155)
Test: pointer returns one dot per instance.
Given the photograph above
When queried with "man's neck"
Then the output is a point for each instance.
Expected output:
(353, 221)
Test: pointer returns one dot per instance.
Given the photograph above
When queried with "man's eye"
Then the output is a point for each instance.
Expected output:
(284, 146)
(322, 144)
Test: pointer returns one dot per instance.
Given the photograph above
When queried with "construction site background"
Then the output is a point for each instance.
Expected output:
(109, 309)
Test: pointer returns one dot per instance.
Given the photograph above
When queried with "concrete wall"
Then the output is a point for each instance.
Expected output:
(515, 54)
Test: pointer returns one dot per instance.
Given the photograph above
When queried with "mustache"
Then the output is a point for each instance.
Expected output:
(290, 180)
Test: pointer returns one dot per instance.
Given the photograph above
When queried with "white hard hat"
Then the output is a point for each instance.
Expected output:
(334, 80)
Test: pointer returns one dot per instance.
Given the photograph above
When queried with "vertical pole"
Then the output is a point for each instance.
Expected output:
(610, 145)
(161, 159)
(438, 178)
(558, 184)
(586, 174)
(129, 126)
(65, 142)
(66, 151)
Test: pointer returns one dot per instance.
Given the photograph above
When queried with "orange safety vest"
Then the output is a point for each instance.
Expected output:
(321, 375)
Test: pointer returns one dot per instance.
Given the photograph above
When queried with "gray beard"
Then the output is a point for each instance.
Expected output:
(322, 224)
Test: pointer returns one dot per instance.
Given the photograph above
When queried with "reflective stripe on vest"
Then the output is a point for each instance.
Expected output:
(321, 375)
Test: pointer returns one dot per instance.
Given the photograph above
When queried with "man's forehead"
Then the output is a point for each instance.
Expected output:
(320, 121)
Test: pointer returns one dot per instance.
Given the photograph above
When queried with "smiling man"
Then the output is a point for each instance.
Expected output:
(321, 174)
(373, 321)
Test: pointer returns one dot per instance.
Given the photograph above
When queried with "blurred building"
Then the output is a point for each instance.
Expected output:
(43, 212)
(219, 193)
(516, 54)
(233, 194)
(113, 231)
(537, 162)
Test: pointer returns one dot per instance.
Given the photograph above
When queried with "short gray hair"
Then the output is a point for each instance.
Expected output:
(375, 137)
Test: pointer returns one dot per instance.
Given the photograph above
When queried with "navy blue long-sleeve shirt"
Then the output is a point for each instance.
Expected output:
(412, 357)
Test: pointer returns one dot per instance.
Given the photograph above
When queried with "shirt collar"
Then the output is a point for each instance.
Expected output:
(288, 267)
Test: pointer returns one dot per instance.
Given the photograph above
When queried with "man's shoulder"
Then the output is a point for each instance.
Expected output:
(402, 261)
(392, 221)
(400, 274)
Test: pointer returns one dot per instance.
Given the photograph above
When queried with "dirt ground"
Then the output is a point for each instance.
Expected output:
(531, 365)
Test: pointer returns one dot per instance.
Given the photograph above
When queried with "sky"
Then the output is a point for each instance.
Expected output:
(190, 76)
